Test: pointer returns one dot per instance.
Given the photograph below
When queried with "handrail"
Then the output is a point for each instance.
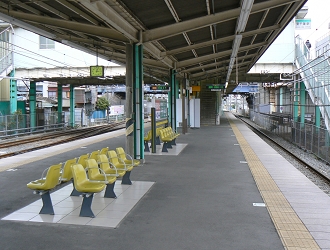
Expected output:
(7, 52)
(312, 72)
(8, 28)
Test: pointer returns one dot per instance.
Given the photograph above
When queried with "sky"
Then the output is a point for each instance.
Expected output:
(319, 12)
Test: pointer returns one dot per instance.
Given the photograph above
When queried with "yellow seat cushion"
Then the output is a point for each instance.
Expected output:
(123, 156)
(81, 182)
(106, 167)
(50, 181)
(66, 171)
(114, 160)
(94, 172)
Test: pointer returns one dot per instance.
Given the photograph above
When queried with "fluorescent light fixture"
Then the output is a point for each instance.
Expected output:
(26, 26)
(237, 43)
(244, 15)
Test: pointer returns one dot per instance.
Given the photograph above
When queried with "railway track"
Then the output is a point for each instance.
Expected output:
(71, 135)
(321, 174)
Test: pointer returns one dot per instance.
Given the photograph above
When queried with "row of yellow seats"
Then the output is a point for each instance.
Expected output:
(109, 161)
(148, 136)
(169, 133)
(168, 137)
(103, 167)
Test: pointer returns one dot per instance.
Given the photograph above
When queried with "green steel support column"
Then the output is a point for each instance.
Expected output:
(59, 103)
(13, 94)
(138, 109)
(183, 104)
(171, 99)
(302, 104)
(72, 106)
(175, 95)
(317, 116)
(33, 103)
(188, 108)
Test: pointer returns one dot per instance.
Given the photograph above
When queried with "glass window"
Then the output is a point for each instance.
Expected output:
(45, 43)
(52, 94)
(66, 94)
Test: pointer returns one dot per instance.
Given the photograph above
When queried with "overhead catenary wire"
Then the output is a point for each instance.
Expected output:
(86, 64)
(59, 63)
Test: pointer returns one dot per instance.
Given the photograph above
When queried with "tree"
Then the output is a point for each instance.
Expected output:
(102, 103)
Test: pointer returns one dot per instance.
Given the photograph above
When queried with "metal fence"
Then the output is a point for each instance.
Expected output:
(14, 125)
(305, 135)
(108, 119)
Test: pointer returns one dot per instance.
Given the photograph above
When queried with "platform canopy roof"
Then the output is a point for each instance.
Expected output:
(201, 39)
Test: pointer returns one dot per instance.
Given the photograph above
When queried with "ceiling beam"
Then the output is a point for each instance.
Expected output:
(219, 63)
(185, 26)
(155, 52)
(112, 17)
(122, 57)
(33, 28)
(52, 10)
(90, 41)
(25, 6)
(220, 40)
(197, 60)
(60, 15)
(197, 23)
(208, 72)
(69, 25)
(73, 8)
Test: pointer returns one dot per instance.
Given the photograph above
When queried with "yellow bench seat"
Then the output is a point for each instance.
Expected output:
(43, 186)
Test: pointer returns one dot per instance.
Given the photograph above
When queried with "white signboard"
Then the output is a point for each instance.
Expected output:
(303, 24)
(117, 110)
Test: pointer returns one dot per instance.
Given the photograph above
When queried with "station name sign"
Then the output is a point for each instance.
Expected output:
(215, 87)
(160, 87)
(269, 85)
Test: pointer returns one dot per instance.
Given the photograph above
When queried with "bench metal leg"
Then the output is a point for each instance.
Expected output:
(146, 147)
(74, 191)
(109, 193)
(169, 144)
(126, 178)
(86, 207)
(157, 140)
(173, 142)
(164, 149)
(47, 207)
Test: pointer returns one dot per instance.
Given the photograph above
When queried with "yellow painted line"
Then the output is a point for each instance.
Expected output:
(292, 231)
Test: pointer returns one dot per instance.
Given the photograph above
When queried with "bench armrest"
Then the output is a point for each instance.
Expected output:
(105, 178)
(122, 162)
(111, 166)
(44, 173)
(129, 157)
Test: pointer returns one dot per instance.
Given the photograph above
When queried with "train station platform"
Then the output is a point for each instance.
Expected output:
(223, 188)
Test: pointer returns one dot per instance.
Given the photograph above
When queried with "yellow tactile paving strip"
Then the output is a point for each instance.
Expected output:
(292, 231)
